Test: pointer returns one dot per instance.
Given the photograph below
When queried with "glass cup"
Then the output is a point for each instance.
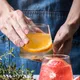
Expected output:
(40, 42)
(56, 67)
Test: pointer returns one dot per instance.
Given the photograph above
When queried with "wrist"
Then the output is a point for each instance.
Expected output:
(73, 23)
(73, 20)
(5, 7)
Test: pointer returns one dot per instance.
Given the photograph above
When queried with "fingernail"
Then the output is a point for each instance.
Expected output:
(26, 31)
(54, 50)
(26, 41)
(21, 44)
(18, 45)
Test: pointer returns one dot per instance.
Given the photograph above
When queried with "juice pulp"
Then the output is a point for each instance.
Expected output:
(56, 69)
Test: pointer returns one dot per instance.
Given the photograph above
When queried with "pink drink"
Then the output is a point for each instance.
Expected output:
(55, 69)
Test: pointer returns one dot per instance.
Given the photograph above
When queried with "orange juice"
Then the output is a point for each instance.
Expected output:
(39, 44)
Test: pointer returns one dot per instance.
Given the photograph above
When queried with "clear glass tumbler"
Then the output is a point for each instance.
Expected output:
(56, 67)
(40, 42)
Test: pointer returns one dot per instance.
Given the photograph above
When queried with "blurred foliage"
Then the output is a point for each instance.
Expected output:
(10, 72)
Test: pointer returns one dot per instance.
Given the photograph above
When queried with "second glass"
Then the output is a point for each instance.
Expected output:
(40, 43)
(56, 67)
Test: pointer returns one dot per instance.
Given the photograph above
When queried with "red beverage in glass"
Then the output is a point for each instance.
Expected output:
(56, 67)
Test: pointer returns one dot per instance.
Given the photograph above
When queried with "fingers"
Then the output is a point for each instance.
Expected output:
(13, 31)
(19, 30)
(11, 34)
(32, 26)
(25, 23)
(29, 21)
(21, 20)
(66, 47)
(61, 38)
(16, 26)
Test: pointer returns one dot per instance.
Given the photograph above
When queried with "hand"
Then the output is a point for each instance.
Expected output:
(14, 26)
(63, 40)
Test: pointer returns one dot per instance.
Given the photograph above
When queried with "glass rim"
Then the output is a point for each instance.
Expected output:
(42, 24)
(63, 56)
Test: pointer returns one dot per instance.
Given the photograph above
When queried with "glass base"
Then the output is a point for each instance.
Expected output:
(34, 56)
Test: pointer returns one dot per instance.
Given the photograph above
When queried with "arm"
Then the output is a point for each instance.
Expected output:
(63, 38)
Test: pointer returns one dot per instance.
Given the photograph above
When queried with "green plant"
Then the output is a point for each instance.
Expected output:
(11, 73)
